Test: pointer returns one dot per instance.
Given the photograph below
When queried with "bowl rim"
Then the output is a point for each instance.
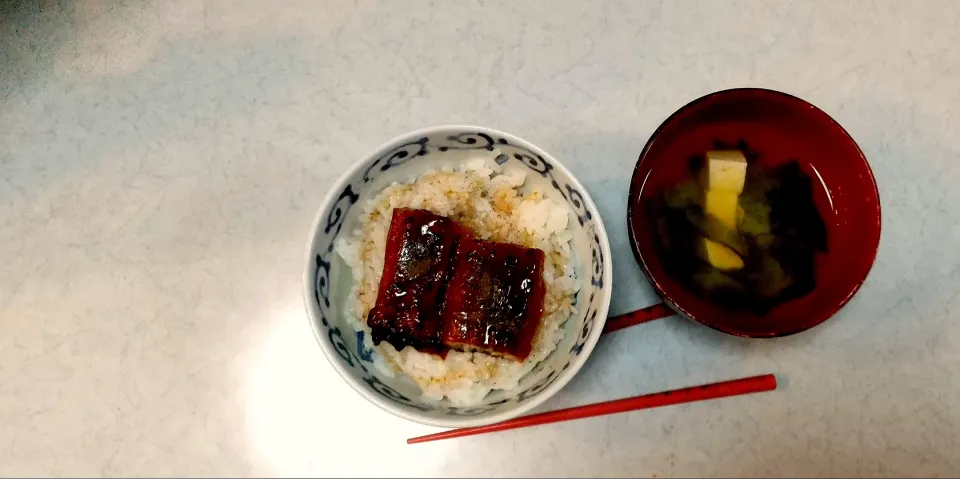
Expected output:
(873, 246)
(411, 414)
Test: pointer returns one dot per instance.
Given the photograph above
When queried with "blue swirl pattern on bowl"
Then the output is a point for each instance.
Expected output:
(360, 356)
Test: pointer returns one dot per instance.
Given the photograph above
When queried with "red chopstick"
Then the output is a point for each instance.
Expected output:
(736, 387)
(640, 316)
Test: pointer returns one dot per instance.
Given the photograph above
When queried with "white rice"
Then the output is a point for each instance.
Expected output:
(482, 195)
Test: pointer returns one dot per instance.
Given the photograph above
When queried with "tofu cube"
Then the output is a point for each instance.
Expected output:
(726, 170)
(722, 205)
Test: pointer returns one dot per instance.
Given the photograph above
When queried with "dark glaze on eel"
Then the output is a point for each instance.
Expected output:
(442, 289)
(419, 250)
(495, 298)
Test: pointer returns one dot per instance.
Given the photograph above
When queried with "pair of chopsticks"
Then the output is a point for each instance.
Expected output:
(736, 387)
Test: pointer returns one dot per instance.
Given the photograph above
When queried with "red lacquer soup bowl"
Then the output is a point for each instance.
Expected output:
(780, 128)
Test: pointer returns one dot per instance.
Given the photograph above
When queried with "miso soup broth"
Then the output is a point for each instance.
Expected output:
(746, 234)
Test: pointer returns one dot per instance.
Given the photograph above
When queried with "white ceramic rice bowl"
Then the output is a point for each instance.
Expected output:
(328, 281)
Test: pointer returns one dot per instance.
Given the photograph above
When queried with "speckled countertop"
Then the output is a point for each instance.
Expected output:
(161, 162)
